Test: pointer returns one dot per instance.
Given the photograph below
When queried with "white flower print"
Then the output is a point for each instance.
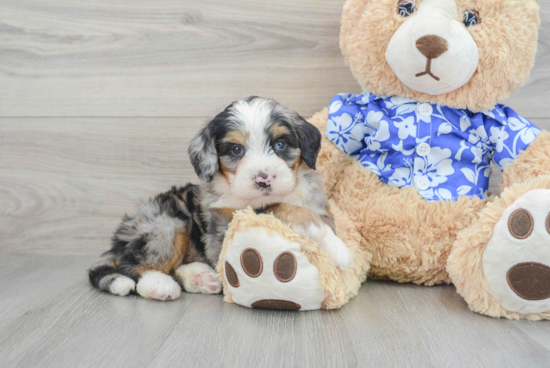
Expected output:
(437, 194)
(465, 123)
(444, 128)
(463, 146)
(437, 166)
(377, 130)
(489, 113)
(479, 138)
(335, 107)
(478, 155)
(498, 136)
(463, 190)
(380, 166)
(527, 132)
(402, 176)
(444, 194)
(406, 128)
(346, 132)
(403, 104)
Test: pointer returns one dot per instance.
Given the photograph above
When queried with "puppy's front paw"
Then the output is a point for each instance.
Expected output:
(337, 250)
(122, 286)
(159, 286)
(199, 277)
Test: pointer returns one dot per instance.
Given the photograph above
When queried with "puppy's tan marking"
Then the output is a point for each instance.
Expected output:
(296, 167)
(226, 171)
(237, 137)
(181, 244)
(225, 213)
(277, 130)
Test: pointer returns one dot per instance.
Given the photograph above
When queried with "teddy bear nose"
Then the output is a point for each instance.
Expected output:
(432, 46)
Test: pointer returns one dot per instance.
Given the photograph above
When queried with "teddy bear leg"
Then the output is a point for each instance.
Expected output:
(501, 264)
(264, 264)
(265, 270)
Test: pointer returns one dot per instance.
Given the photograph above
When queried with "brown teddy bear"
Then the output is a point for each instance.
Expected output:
(407, 167)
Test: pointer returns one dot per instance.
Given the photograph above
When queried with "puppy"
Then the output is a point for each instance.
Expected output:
(255, 153)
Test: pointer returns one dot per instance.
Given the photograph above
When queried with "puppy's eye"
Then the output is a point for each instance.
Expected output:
(406, 8)
(280, 145)
(237, 150)
(471, 18)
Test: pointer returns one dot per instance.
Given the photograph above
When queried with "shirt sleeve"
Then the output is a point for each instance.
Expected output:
(346, 124)
(510, 134)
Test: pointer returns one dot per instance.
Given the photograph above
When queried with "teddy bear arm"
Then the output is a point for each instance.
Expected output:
(533, 162)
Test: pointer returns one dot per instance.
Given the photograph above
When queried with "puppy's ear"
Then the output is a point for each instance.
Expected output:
(310, 141)
(203, 155)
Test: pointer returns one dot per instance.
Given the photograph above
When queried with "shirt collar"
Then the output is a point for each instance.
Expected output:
(497, 113)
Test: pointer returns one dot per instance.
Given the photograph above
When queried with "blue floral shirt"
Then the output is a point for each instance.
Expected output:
(444, 152)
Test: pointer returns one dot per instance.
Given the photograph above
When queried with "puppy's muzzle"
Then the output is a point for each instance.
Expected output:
(263, 180)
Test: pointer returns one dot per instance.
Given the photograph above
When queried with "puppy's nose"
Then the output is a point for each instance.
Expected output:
(263, 180)
(432, 46)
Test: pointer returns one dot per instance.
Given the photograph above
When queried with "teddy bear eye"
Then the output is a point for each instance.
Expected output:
(471, 18)
(406, 8)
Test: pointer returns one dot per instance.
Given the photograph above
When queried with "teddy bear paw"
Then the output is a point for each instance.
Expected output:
(516, 262)
(265, 270)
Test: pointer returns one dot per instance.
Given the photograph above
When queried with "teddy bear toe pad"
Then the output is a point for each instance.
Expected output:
(265, 270)
(516, 262)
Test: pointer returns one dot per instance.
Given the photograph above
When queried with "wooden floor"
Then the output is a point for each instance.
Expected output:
(98, 102)
(51, 317)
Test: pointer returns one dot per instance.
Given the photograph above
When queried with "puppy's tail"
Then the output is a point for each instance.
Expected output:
(104, 276)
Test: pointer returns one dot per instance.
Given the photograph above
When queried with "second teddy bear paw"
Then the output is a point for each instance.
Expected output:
(265, 270)
(516, 262)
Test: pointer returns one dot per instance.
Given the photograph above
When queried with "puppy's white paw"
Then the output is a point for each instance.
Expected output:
(336, 249)
(122, 286)
(200, 278)
(159, 286)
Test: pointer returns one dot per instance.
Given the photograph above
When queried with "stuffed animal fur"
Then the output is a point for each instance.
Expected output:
(424, 64)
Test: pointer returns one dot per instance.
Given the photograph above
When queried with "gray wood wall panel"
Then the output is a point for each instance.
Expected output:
(65, 183)
(185, 58)
(168, 57)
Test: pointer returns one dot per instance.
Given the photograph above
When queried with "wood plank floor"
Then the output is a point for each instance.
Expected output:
(51, 317)
(98, 102)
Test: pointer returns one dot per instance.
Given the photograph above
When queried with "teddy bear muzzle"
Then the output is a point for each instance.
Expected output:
(432, 47)
(442, 56)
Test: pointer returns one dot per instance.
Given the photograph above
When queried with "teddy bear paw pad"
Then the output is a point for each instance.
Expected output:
(516, 262)
(267, 271)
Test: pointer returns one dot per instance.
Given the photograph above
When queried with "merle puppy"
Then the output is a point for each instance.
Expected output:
(255, 153)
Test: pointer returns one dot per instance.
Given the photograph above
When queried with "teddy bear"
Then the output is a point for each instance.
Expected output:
(407, 164)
